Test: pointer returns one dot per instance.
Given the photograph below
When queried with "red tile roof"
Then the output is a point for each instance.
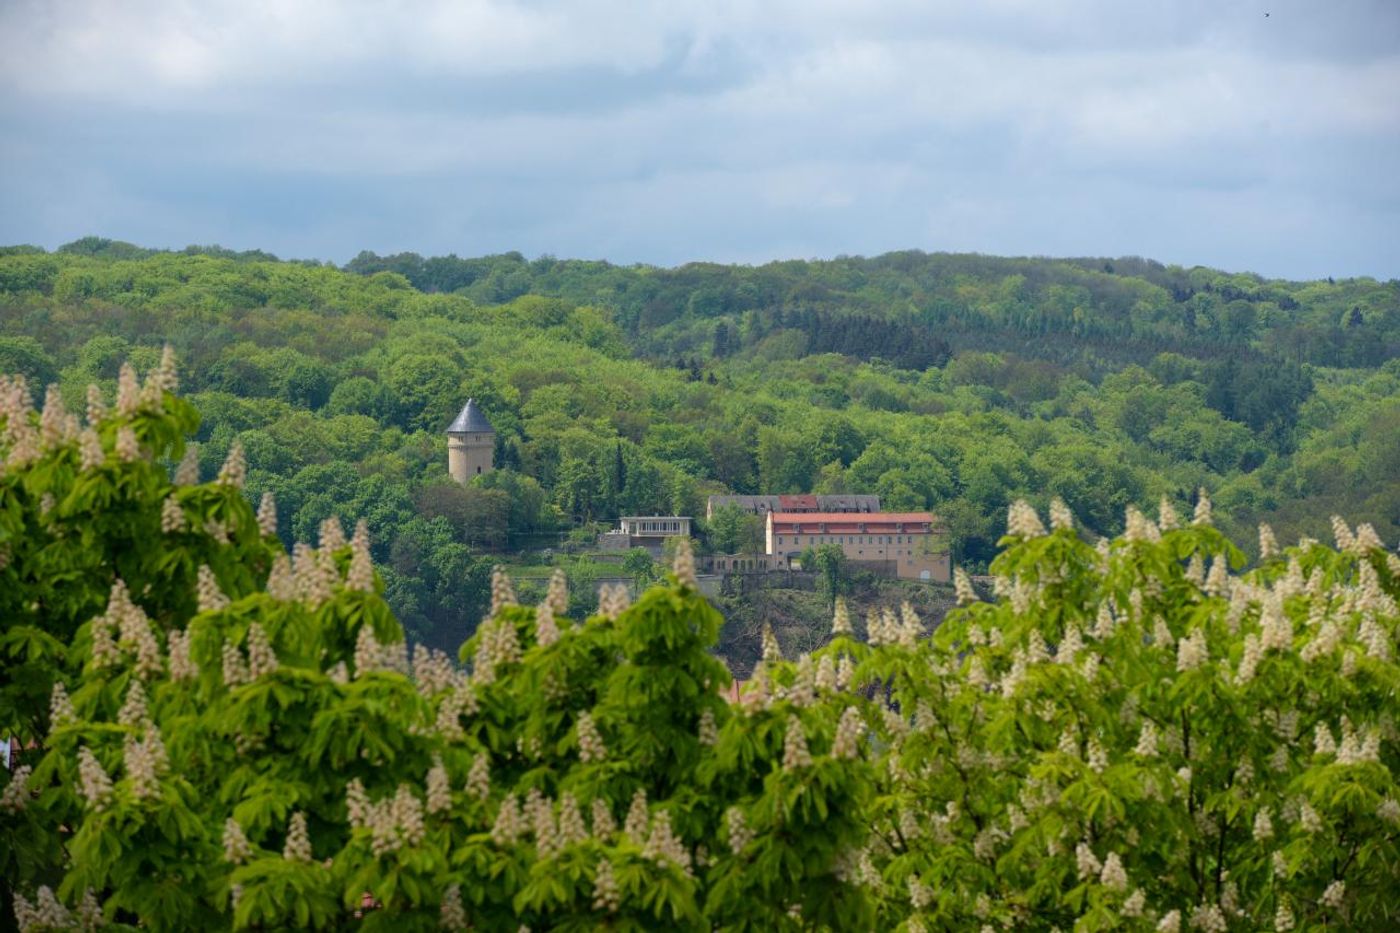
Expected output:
(852, 518)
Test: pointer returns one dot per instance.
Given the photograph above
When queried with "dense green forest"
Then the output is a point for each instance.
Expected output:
(952, 382)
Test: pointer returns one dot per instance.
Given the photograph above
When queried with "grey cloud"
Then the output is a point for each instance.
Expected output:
(1195, 132)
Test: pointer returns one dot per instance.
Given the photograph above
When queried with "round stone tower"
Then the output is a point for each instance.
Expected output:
(471, 444)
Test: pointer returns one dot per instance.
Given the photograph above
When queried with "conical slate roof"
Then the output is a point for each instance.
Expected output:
(470, 420)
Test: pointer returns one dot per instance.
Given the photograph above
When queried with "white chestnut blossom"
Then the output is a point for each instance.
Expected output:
(683, 564)
(439, 787)
(187, 472)
(603, 823)
(61, 711)
(331, 534)
(590, 743)
(1389, 811)
(128, 448)
(962, 587)
(1218, 580)
(16, 795)
(1209, 918)
(128, 391)
(1113, 875)
(451, 914)
(1097, 756)
(1191, 651)
(708, 731)
(849, 732)
(209, 596)
(262, 659)
(1086, 863)
(1166, 515)
(93, 782)
(571, 826)
(90, 452)
(1022, 522)
(237, 849)
(606, 895)
(96, 406)
(612, 600)
(558, 593)
(841, 618)
(772, 651)
(737, 830)
(638, 819)
(509, 824)
(1202, 514)
(298, 845)
(1268, 544)
(1263, 825)
(663, 845)
(1323, 741)
(502, 591)
(1139, 527)
(479, 777)
(267, 516)
(46, 913)
(234, 472)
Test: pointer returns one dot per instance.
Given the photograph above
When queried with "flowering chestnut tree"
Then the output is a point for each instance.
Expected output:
(1131, 737)
(232, 736)
(219, 734)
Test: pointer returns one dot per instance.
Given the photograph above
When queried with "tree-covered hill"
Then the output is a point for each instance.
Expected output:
(1113, 311)
(957, 383)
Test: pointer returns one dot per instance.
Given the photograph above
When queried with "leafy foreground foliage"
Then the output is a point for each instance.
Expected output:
(1129, 737)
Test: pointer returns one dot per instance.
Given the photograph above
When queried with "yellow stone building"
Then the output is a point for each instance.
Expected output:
(908, 545)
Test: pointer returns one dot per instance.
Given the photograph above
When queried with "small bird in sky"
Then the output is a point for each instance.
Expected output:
(1266, 15)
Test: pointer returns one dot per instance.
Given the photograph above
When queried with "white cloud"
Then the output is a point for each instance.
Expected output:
(813, 125)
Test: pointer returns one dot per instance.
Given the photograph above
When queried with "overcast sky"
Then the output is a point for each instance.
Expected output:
(1190, 131)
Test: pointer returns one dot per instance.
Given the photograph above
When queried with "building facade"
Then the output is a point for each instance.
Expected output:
(471, 444)
(908, 545)
(648, 531)
(741, 563)
(762, 505)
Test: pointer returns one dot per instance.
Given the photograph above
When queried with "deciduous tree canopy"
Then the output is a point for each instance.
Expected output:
(951, 383)
(215, 734)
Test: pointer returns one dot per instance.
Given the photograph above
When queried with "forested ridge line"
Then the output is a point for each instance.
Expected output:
(952, 382)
